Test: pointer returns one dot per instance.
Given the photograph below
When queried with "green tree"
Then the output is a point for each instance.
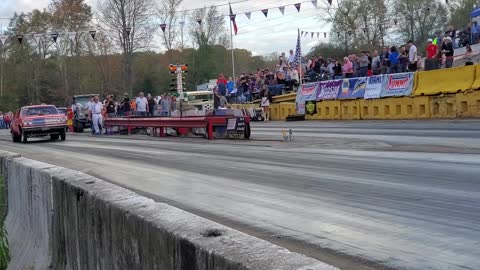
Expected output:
(460, 12)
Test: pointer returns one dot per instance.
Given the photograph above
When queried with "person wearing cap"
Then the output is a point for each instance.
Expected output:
(431, 51)
(447, 50)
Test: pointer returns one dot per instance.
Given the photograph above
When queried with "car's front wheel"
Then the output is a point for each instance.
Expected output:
(24, 137)
(16, 138)
(63, 135)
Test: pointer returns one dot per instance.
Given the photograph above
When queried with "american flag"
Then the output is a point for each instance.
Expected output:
(298, 51)
(232, 18)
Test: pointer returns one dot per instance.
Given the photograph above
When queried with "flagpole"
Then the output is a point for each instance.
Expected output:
(231, 45)
(300, 60)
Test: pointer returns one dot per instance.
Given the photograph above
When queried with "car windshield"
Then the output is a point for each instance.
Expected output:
(83, 101)
(200, 97)
(44, 110)
(61, 110)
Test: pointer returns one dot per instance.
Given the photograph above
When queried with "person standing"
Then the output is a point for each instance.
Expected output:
(347, 68)
(291, 58)
(142, 104)
(393, 59)
(96, 115)
(8, 118)
(468, 56)
(475, 32)
(448, 51)
(376, 63)
(111, 111)
(265, 102)
(412, 56)
(126, 105)
(89, 110)
(2, 121)
(166, 105)
(151, 105)
(384, 58)
(363, 65)
(431, 62)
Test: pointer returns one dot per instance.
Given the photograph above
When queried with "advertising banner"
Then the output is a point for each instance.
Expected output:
(353, 88)
(374, 86)
(308, 92)
(329, 89)
(397, 85)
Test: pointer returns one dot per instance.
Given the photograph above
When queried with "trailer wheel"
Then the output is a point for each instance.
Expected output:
(247, 131)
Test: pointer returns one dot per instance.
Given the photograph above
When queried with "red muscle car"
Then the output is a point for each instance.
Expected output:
(38, 121)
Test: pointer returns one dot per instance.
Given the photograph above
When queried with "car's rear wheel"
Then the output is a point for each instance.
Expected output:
(54, 137)
(24, 137)
(63, 136)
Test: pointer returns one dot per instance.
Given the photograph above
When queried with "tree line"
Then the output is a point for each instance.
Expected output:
(115, 61)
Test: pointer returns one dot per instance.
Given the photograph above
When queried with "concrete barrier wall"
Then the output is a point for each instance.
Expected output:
(460, 105)
(62, 219)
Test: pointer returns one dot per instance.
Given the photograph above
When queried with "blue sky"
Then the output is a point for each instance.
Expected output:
(277, 33)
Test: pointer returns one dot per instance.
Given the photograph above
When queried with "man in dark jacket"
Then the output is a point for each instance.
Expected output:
(447, 49)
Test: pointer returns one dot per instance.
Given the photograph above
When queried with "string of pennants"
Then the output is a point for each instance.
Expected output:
(37, 37)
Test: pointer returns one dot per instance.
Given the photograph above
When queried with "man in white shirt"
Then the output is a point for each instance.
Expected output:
(291, 58)
(412, 56)
(89, 111)
(96, 115)
(142, 104)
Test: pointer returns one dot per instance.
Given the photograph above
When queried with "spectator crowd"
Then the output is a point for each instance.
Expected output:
(285, 77)
(5, 119)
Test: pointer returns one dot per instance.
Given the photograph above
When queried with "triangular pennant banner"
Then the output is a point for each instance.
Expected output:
(282, 10)
(318, 34)
(248, 14)
(301, 34)
(306, 33)
(54, 37)
(182, 24)
(314, 2)
(199, 21)
(325, 35)
(163, 26)
(3, 39)
(297, 6)
(312, 34)
(265, 12)
(37, 37)
(20, 39)
(92, 34)
(330, 2)
(128, 30)
(72, 36)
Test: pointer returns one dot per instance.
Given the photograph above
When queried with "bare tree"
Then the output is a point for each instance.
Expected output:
(207, 26)
(167, 14)
(358, 24)
(131, 22)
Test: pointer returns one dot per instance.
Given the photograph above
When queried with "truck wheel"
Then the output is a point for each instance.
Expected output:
(54, 137)
(63, 136)
(24, 137)
(247, 131)
(16, 138)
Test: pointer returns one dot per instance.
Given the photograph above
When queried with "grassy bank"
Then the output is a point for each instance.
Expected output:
(4, 252)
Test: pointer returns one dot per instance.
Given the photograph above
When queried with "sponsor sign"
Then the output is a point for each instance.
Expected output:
(397, 85)
(352, 88)
(374, 86)
(308, 92)
(329, 89)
